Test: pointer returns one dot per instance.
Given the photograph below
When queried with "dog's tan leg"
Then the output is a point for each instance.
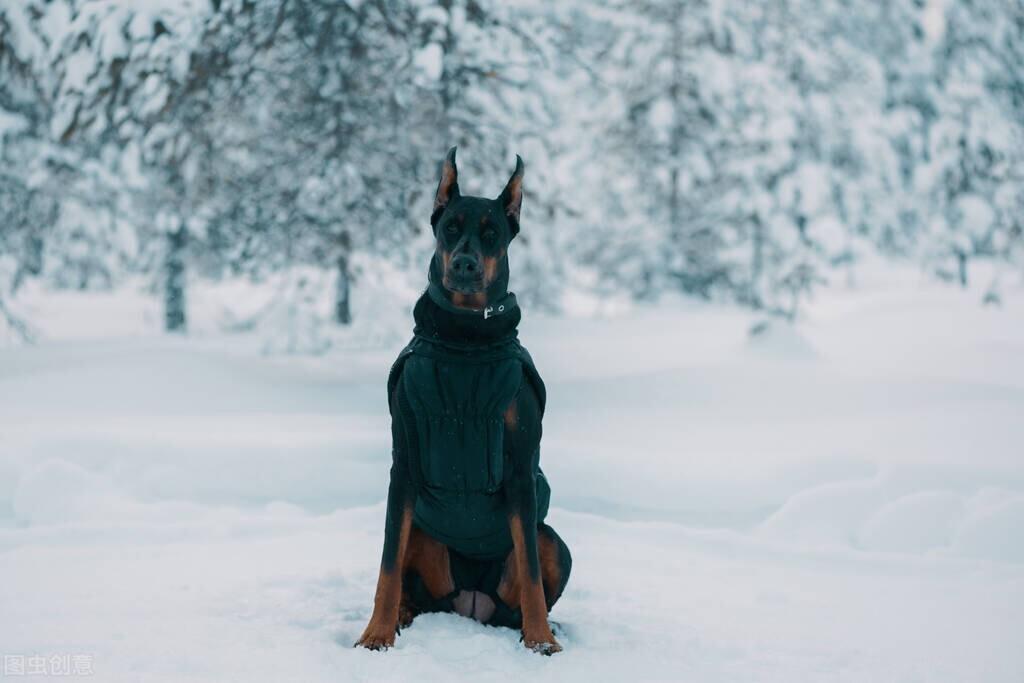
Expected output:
(428, 557)
(550, 568)
(519, 589)
(417, 552)
(406, 611)
(380, 631)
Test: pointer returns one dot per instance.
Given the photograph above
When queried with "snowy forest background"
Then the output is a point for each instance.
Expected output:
(745, 499)
(740, 152)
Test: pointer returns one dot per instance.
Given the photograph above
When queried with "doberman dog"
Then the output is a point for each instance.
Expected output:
(464, 528)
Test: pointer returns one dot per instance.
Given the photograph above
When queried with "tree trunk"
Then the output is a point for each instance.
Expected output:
(675, 142)
(342, 299)
(174, 285)
(757, 264)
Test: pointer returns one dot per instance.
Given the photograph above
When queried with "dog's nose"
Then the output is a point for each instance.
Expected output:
(465, 265)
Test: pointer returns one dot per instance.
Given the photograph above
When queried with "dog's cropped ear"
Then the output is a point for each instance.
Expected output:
(447, 189)
(511, 197)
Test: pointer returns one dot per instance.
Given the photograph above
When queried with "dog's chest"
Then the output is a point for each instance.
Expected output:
(458, 407)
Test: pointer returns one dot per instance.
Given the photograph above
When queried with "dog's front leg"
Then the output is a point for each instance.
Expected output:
(537, 633)
(521, 583)
(380, 632)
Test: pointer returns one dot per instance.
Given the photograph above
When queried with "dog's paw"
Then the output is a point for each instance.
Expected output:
(405, 616)
(376, 639)
(546, 647)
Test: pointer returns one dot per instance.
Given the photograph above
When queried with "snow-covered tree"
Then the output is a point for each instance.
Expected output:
(27, 205)
(736, 152)
(976, 154)
(717, 173)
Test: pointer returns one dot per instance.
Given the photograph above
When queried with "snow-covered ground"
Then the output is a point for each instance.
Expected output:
(842, 501)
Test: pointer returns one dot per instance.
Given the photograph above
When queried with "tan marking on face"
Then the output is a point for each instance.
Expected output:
(491, 268)
(511, 416)
(476, 301)
(446, 258)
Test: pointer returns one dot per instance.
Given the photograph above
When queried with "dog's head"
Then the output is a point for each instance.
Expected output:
(473, 233)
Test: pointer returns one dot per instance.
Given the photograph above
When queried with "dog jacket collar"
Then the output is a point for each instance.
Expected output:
(503, 305)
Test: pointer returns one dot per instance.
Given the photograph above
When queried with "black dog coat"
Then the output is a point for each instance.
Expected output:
(456, 397)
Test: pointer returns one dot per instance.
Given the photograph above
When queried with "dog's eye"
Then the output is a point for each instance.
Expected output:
(489, 235)
(451, 228)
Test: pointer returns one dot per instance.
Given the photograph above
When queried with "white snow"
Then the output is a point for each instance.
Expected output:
(430, 60)
(839, 501)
